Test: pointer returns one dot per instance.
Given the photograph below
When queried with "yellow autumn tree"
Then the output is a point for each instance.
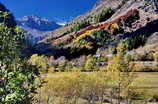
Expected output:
(90, 64)
(118, 72)
(40, 62)
(155, 55)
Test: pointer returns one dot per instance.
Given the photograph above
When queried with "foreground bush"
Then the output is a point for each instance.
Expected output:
(17, 76)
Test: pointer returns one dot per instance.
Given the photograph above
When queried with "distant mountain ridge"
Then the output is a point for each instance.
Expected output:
(36, 22)
(37, 27)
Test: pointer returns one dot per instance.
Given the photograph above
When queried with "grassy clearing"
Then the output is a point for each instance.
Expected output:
(67, 82)
(144, 79)
(147, 82)
(147, 79)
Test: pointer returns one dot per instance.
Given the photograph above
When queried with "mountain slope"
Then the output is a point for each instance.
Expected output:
(115, 20)
(97, 9)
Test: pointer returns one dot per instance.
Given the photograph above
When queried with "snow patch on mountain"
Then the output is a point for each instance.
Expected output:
(62, 23)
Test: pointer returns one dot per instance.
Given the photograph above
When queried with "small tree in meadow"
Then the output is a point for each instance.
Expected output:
(119, 73)
(156, 56)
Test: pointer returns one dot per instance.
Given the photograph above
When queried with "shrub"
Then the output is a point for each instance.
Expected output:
(17, 87)
(156, 56)
(144, 66)
(119, 73)
(121, 48)
(40, 62)
(61, 44)
(84, 35)
(104, 15)
(90, 64)
(88, 45)
(79, 26)
(114, 28)
(135, 41)
(101, 37)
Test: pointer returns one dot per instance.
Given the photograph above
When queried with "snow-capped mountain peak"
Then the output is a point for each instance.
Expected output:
(36, 22)
(37, 27)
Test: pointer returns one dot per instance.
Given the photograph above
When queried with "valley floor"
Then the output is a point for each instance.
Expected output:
(145, 82)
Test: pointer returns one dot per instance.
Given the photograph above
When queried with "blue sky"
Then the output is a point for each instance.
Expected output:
(48, 8)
